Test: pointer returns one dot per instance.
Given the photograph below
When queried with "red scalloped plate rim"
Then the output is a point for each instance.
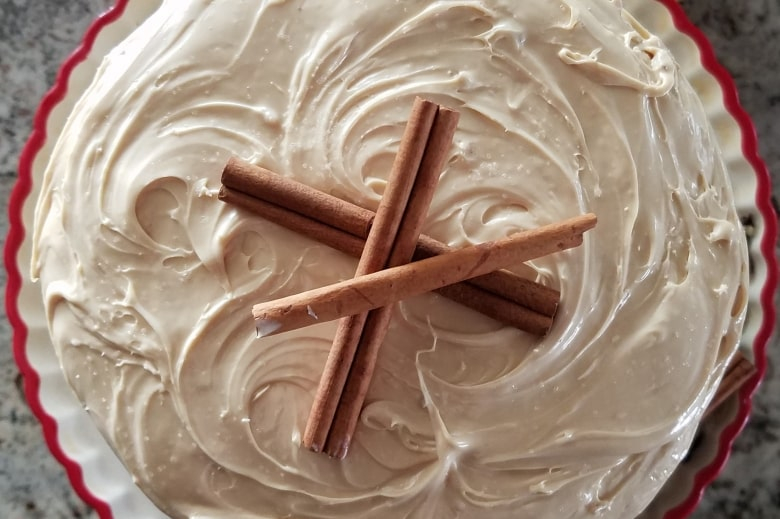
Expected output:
(16, 234)
(763, 202)
(35, 142)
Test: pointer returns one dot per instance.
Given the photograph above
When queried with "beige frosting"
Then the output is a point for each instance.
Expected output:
(566, 107)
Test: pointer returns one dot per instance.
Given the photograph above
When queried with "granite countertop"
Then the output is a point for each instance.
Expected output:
(35, 36)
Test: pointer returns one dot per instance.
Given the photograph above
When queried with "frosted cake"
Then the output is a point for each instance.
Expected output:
(565, 108)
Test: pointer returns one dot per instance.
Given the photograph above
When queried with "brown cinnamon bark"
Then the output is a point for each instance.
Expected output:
(530, 294)
(467, 293)
(379, 245)
(387, 286)
(375, 328)
(508, 285)
(330, 236)
(500, 309)
(300, 198)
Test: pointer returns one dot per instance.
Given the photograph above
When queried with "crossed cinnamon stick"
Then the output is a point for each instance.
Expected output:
(384, 274)
(501, 294)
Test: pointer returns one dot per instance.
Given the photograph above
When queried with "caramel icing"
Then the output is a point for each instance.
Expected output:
(566, 107)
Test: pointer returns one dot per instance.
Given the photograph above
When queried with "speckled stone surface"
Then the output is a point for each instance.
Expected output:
(36, 35)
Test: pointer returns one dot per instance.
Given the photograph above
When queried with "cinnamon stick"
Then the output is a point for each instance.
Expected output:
(467, 293)
(534, 296)
(530, 294)
(379, 245)
(377, 322)
(330, 236)
(364, 293)
(739, 371)
(499, 308)
(296, 196)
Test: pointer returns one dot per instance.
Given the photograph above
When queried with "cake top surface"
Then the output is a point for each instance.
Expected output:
(566, 108)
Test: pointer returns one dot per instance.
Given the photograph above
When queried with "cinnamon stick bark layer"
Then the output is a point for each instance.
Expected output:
(296, 196)
(374, 258)
(530, 294)
(377, 322)
(364, 293)
(537, 298)
(296, 222)
(497, 307)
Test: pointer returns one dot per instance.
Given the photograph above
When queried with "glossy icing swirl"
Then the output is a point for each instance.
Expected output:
(566, 107)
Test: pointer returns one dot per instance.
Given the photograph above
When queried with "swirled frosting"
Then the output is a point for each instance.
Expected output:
(566, 107)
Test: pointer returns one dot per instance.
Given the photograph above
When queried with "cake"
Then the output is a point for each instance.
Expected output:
(565, 108)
